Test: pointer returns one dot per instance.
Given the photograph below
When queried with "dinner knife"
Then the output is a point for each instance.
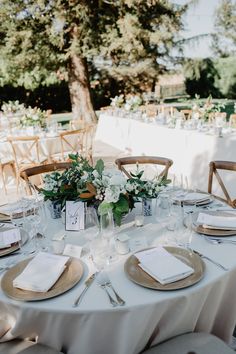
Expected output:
(87, 284)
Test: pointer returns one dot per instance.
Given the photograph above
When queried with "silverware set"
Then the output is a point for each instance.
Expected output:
(104, 283)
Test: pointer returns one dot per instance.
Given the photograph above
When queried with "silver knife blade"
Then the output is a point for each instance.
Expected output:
(87, 284)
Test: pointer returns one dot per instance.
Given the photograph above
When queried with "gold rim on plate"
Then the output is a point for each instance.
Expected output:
(208, 231)
(69, 278)
(15, 246)
(140, 277)
(8, 250)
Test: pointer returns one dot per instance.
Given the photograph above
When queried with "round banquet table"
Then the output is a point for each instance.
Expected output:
(49, 144)
(149, 316)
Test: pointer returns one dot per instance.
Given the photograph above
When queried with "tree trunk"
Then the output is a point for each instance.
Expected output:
(79, 89)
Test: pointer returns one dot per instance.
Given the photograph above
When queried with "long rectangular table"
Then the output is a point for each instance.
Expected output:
(190, 150)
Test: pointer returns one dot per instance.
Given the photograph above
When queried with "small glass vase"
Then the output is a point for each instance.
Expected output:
(54, 207)
(147, 206)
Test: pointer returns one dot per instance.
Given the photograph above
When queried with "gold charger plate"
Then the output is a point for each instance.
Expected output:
(8, 250)
(139, 276)
(71, 276)
(15, 246)
(212, 232)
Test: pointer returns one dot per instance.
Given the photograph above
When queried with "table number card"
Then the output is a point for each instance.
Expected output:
(74, 216)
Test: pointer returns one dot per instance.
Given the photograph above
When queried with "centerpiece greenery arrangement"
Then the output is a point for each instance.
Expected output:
(27, 116)
(104, 189)
(129, 102)
(33, 117)
(207, 109)
(12, 107)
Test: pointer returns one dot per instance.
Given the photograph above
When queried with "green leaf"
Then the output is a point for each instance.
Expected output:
(99, 166)
(104, 207)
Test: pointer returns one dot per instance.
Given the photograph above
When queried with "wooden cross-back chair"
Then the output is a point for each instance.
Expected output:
(72, 141)
(4, 163)
(155, 160)
(187, 113)
(40, 170)
(214, 166)
(232, 120)
(26, 152)
(25, 149)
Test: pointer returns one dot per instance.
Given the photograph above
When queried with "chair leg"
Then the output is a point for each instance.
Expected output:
(3, 179)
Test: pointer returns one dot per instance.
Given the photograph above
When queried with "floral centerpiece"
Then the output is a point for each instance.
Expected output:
(118, 101)
(133, 102)
(105, 189)
(13, 107)
(208, 109)
(33, 117)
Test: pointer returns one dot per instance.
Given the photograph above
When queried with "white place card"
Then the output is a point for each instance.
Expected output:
(9, 236)
(74, 216)
(138, 243)
(72, 250)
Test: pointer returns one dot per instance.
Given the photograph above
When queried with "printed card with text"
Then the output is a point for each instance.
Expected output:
(74, 216)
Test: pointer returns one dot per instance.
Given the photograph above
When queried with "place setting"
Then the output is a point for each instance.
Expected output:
(165, 268)
(215, 223)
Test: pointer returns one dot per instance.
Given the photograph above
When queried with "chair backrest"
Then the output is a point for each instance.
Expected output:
(155, 160)
(232, 120)
(214, 166)
(39, 171)
(25, 149)
(72, 141)
(187, 113)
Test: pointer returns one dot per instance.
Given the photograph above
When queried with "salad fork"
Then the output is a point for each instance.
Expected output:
(108, 283)
(102, 285)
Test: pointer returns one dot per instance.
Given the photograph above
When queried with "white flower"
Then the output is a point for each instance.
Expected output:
(95, 174)
(112, 194)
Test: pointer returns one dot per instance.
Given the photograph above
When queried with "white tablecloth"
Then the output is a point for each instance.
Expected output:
(148, 317)
(190, 150)
(48, 146)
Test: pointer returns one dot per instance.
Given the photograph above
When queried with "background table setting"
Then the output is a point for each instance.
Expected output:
(193, 293)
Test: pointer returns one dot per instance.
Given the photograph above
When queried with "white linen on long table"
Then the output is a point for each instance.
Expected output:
(149, 316)
(190, 150)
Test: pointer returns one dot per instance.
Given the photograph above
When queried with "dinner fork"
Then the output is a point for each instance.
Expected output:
(102, 285)
(211, 260)
(108, 283)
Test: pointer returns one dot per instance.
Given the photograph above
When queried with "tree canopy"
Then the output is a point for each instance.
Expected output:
(43, 41)
(224, 43)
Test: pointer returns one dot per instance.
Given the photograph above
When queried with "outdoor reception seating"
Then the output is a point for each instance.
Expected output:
(214, 168)
(143, 160)
(40, 170)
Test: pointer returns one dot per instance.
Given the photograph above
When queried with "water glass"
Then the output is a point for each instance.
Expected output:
(107, 230)
(91, 226)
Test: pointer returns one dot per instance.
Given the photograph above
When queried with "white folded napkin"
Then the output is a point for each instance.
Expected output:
(163, 266)
(41, 273)
(8, 236)
(217, 221)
